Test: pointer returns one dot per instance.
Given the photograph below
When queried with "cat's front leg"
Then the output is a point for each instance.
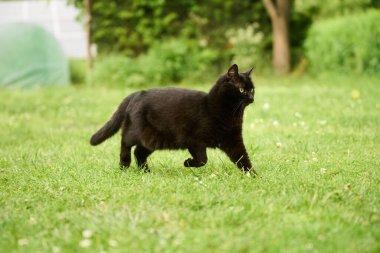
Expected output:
(237, 152)
(199, 157)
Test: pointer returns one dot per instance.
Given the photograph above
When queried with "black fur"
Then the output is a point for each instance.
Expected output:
(112, 126)
(173, 118)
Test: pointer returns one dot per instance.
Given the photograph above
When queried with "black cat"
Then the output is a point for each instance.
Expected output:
(173, 118)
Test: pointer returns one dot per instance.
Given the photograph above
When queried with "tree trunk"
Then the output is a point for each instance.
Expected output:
(279, 14)
(281, 54)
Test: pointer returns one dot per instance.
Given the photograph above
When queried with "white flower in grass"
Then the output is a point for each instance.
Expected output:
(278, 144)
(295, 124)
(200, 181)
(347, 187)
(56, 249)
(85, 243)
(322, 122)
(23, 242)
(355, 94)
(309, 246)
(275, 123)
(87, 233)
(323, 170)
(321, 237)
(266, 107)
(112, 243)
(314, 156)
(32, 221)
(298, 115)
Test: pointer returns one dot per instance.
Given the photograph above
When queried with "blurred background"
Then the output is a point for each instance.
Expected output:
(132, 43)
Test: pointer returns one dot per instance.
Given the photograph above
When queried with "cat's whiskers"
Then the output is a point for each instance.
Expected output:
(238, 109)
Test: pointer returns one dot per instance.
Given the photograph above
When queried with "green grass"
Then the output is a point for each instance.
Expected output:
(317, 192)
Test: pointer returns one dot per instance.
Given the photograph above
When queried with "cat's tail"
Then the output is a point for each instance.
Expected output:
(112, 126)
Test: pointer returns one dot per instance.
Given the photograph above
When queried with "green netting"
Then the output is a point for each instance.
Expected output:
(29, 56)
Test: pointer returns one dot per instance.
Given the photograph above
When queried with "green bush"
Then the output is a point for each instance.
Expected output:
(167, 62)
(174, 60)
(77, 71)
(113, 71)
(345, 44)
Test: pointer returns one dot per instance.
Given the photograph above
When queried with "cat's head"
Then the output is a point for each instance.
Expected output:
(238, 85)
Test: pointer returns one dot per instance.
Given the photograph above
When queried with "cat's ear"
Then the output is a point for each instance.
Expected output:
(248, 73)
(233, 71)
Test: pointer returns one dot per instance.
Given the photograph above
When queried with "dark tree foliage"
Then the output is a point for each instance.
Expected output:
(132, 26)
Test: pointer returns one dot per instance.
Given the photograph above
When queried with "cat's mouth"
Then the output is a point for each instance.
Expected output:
(250, 99)
(247, 101)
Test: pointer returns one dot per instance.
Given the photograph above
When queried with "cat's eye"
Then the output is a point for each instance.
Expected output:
(252, 90)
(241, 90)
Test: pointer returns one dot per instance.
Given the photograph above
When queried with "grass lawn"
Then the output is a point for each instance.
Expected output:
(314, 142)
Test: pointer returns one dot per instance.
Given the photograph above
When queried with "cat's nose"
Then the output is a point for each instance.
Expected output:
(250, 97)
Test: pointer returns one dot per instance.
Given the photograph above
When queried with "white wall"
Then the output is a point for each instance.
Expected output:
(55, 16)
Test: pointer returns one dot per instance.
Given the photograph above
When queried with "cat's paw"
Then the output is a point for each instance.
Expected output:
(123, 166)
(144, 168)
(250, 172)
(188, 162)
(193, 163)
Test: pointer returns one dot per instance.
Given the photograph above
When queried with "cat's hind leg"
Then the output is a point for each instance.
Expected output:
(127, 142)
(199, 157)
(141, 154)
(125, 155)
